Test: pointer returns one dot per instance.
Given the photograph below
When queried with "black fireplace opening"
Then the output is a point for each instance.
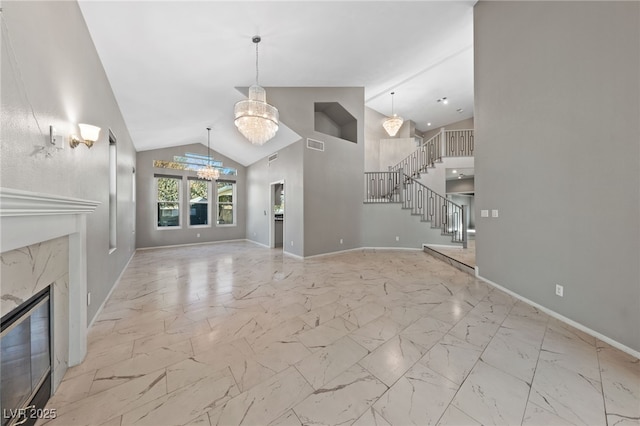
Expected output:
(25, 358)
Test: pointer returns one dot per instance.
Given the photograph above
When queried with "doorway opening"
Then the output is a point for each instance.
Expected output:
(277, 216)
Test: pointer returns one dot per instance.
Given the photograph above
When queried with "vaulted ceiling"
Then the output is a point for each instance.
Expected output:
(175, 66)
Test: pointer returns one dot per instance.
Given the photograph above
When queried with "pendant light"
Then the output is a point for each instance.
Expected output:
(209, 172)
(392, 124)
(254, 117)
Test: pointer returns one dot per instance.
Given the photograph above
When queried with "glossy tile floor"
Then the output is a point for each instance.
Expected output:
(233, 333)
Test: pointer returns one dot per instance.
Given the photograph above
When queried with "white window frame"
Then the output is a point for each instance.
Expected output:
(209, 198)
(234, 204)
(156, 201)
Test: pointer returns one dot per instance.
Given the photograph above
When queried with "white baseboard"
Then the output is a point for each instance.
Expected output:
(113, 287)
(441, 246)
(391, 248)
(332, 253)
(193, 244)
(362, 248)
(562, 318)
(256, 243)
(293, 255)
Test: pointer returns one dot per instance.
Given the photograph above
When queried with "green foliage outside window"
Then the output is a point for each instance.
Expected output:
(198, 189)
(168, 189)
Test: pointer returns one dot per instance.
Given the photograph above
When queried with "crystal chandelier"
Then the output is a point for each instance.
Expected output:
(209, 172)
(392, 124)
(254, 117)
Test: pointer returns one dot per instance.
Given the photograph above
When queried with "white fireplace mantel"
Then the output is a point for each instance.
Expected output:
(28, 218)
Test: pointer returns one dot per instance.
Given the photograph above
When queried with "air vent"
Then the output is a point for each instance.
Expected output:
(273, 157)
(314, 144)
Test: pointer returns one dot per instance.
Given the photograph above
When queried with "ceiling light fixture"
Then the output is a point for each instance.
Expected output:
(392, 124)
(443, 100)
(254, 117)
(209, 172)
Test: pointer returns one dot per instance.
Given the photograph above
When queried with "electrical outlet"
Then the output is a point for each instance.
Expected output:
(198, 235)
(494, 213)
(484, 213)
(397, 238)
(89, 299)
(559, 290)
(341, 241)
(291, 243)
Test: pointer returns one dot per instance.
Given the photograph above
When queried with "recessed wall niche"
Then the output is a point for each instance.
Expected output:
(330, 118)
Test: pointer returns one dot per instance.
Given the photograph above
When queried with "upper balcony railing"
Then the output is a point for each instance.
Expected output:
(446, 143)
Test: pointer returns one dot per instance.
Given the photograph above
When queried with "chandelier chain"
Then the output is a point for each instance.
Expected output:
(257, 63)
(392, 109)
(208, 146)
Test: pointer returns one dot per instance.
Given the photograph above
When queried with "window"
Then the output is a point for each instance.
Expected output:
(168, 204)
(198, 202)
(226, 193)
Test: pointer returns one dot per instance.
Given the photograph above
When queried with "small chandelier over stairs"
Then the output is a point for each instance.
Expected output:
(392, 124)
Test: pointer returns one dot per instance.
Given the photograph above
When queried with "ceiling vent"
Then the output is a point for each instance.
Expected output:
(314, 144)
(273, 157)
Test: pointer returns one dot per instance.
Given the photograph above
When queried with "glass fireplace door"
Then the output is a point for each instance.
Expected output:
(25, 355)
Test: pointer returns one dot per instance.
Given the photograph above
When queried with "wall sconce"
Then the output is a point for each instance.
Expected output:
(88, 135)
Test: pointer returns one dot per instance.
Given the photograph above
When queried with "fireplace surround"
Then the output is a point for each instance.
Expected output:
(42, 243)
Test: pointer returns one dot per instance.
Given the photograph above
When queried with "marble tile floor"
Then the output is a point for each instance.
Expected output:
(233, 333)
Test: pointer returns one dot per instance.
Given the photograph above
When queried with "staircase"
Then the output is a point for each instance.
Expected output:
(400, 184)
(446, 143)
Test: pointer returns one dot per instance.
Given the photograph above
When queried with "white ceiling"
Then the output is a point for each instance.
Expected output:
(175, 66)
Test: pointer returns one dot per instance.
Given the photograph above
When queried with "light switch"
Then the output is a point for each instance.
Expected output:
(494, 213)
(55, 139)
(484, 213)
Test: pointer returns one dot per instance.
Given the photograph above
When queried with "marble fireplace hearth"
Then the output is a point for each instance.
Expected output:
(42, 243)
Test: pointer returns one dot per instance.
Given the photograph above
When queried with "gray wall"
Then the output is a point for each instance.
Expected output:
(373, 133)
(394, 150)
(460, 185)
(332, 180)
(51, 75)
(382, 223)
(149, 236)
(557, 94)
(260, 175)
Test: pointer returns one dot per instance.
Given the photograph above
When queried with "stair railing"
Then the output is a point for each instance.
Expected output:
(446, 143)
(458, 143)
(436, 209)
(398, 187)
(382, 187)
